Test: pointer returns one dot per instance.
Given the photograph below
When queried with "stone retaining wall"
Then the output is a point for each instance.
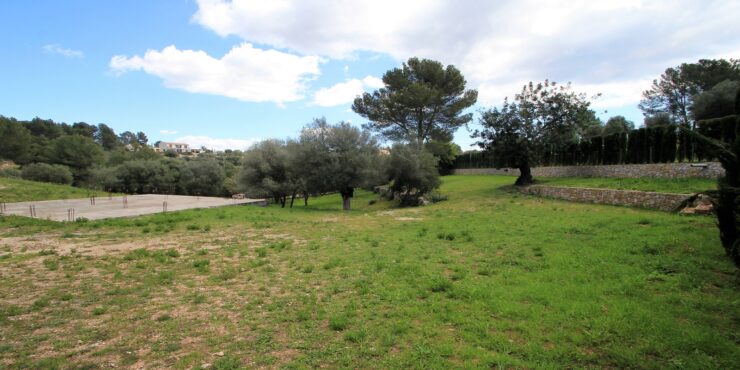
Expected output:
(708, 170)
(642, 199)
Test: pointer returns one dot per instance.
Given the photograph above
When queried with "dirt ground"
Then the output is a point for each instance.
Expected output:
(128, 206)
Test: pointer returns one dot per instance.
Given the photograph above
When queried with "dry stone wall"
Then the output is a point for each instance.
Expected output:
(642, 199)
(708, 170)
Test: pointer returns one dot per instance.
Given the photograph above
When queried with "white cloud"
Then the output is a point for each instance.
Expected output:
(59, 49)
(616, 94)
(167, 132)
(215, 143)
(609, 44)
(373, 82)
(245, 73)
(345, 92)
(341, 93)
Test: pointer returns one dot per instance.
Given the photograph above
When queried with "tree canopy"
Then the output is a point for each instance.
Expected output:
(617, 125)
(543, 114)
(422, 100)
(674, 92)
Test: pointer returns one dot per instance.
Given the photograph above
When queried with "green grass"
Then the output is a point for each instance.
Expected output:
(686, 186)
(18, 190)
(488, 278)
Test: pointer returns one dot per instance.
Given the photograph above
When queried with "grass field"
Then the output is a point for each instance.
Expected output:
(687, 186)
(486, 279)
(18, 190)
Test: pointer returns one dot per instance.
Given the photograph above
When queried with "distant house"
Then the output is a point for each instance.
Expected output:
(179, 148)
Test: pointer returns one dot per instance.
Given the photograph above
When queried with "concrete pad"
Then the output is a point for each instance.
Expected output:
(128, 206)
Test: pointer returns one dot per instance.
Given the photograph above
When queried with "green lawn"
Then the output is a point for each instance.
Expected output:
(489, 278)
(644, 184)
(18, 190)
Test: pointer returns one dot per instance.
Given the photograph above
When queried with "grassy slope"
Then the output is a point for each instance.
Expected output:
(643, 184)
(18, 190)
(488, 278)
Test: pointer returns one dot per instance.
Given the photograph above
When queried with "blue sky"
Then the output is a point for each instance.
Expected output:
(223, 74)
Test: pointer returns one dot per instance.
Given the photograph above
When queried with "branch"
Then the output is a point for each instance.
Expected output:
(715, 147)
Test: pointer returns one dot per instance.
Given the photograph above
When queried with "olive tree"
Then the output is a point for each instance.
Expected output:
(412, 172)
(541, 115)
(265, 171)
(346, 158)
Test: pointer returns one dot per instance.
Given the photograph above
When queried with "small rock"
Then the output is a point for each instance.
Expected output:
(688, 211)
(206, 365)
(704, 209)
(219, 354)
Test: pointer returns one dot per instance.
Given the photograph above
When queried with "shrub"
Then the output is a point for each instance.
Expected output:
(43, 172)
(10, 172)
(412, 170)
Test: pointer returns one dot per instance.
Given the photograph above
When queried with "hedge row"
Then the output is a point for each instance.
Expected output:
(665, 144)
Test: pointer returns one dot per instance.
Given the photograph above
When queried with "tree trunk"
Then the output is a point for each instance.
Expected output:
(345, 203)
(292, 198)
(347, 194)
(282, 201)
(525, 176)
(305, 199)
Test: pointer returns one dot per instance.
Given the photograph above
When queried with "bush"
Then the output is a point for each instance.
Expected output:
(43, 172)
(412, 170)
(10, 172)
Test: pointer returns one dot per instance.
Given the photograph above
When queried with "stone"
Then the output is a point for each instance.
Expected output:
(709, 170)
(704, 208)
(643, 199)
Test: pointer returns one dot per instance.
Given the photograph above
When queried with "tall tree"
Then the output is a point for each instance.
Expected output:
(15, 141)
(617, 125)
(674, 92)
(727, 199)
(106, 137)
(142, 138)
(422, 100)
(127, 137)
(84, 129)
(545, 115)
(77, 152)
(719, 101)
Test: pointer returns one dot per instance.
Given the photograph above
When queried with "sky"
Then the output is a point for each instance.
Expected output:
(225, 74)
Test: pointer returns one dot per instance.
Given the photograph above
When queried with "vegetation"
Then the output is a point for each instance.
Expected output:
(680, 186)
(727, 202)
(422, 100)
(676, 90)
(412, 171)
(47, 173)
(487, 279)
(100, 159)
(18, 190)
(334, 159)
(545, 115)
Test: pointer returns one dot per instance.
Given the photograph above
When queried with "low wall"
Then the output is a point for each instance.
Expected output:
(642, 199)
(708, 170)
